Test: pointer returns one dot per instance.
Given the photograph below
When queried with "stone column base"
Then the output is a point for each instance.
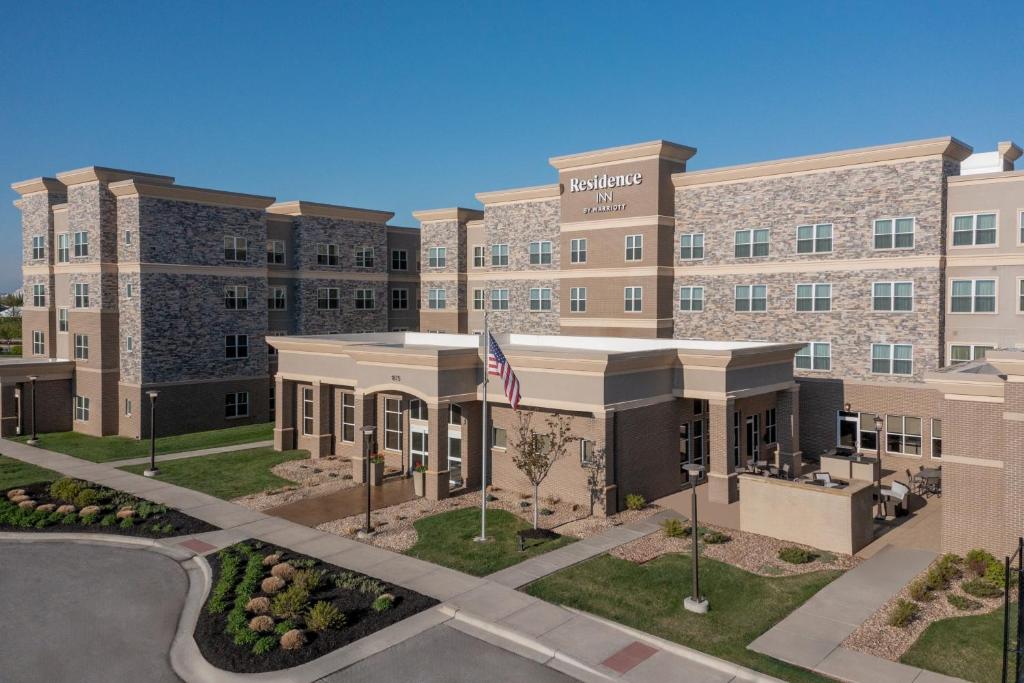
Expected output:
(321, 446)
(359, 469)
(437, 484)
(284, 439)
(723, 488)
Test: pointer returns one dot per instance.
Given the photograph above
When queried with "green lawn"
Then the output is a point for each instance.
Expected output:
(107, 448)
(226, 475)
(17, 473)
(649, 597)
(447, 539)
(966, 647)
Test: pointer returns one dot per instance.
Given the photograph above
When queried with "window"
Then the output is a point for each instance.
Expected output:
(578, 250)
(972, 296)
(499, 299)
(365, 300)
(751, 243)
(277, 299)
(400, 299)
(903, 434)
(63, 250)
(587, 458)
(691, 247)
(577, 299)
(327, 299)
(236, 404)
(814, 239)
(700, 406)
(348, 417)
(307, 411)
(129, 290)
(39, 247)
(127, 238)
(634, 247)
(540, 253)
(479, 256)
(770, 433)
(127, 407)
(81, 243)
(1020, 223)
(892, 359)
(499, 438)
(892, 296)
(936, 438)
(736, 419)
(691, 298)
(364, 257)
(82, 408)
(1020, 299)
(236, 297)
(697, 443)
(38, 343)
(962, 353)
(236, 346)
(275, 252)
(437, 257)
(455, 415)
(479, 295)
(499, 254)
(813, 297)
(634, 299)
(868, 435)
(417, 409)
(974, 230)
(129, 343)
(39, 295)
(399, 259)
(815, 356)
(81, 295)
(540, 299)
(272, 400)
(752, 298)
(894, 233)
(235, 248)
(62, 319)
(327, 254)
(436, 298)
(393, 424)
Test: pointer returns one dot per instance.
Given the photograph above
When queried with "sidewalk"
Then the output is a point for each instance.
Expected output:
(580, 645)
(192, 454)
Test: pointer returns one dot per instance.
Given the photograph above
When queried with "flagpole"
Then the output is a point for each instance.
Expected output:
(484, 434)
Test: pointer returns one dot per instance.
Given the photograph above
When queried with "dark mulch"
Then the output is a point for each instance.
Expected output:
(220, 649)
(183, 524)
(538, 534)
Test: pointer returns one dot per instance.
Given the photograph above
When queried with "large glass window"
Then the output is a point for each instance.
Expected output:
(479, 257)
(327, 254)
(578, 250)
(81, 347)
(974, 230)
(973, 296)
(578, 300)
(540, 299)
(400, 299)
(236, 297)
(499, 299)
(393, 424)
(814, 239)
(691, 298)
(894, 233)
(39, 296)
(38, 343)
(479, 298)
(436, 298)
(327, 299)
(81, 295)
(903, 434)
(770, 430)
(892, 359)
(236, 346)
(540, 253)
(82, 408)
(499, 254)
(63, 248)
(634, 247)
(892, 296)
(38, 247)
(62, 319)
(277, 300)
(235, 248)
(634, 299)
(751, 243)
(365, 299)
(399, 259)
(307, 411)
(936, 438)
(275, 252)
(868, 435)
(962, 353)
(814, 297)
(236, 404)
(417, 409)
(365, 257)
(691, 247)
(348, 417)
(437, 257)
(815, 356)
(81, 243)
(752, 298)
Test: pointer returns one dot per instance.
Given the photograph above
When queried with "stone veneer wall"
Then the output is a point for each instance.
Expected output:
(193, 234)
(312, 320)
(310, 231)
(36, 220)
(519, 318)
(130, 323)
(92, 208)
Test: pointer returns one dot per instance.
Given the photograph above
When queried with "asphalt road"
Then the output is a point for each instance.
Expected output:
(444, 655)
(85, 613)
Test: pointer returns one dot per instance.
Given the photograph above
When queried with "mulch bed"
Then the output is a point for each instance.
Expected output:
(183, 525)
(219, 647)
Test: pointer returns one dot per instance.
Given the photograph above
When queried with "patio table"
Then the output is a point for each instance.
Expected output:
(932, 477)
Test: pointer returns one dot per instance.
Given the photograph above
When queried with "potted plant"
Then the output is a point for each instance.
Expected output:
(419, 479)
(376, 470)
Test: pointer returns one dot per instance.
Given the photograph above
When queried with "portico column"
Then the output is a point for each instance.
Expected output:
(437, 451)
(723, 485)
(321, 420)
(284, 418)
(365, 406)
(787, 404)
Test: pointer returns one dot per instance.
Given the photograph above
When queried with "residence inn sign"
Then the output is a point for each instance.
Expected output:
(603, 186)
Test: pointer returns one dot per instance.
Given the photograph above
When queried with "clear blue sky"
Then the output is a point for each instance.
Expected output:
(406, 106)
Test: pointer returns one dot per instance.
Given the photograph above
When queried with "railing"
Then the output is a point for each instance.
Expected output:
(1017, 648)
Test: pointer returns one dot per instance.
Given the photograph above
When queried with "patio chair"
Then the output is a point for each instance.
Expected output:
(896, 495)
(826, 479)
(916, 482)
(780, 472)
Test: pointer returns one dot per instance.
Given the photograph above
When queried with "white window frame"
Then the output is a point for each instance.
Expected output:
(972, 351)
(38, 343)
(479, 299)
(402, 294)
(634, 245)
(326, 254)
(973, 232)
(393, 409)
(893, 219)
(81, 408)
(813, 356)
(750, 298)
(540, 253)
(752, 242)
(275, 252)
(932, 438)
(499, 299)
(348, 417)
(365, 299)
(437, 257)
(365, 257)
(891, 359)
(401, 258)
(814, 298)
(499, 254)
(633, 299)
(692, 238)
(236, 297)
(233, 406)
(38, 247)
(974, 296)
(437, 299)
(891, 298)
(690, 299)
(494, 438)
(81, 290)
(129, 343)
(903, 435)
(308, 411)
(39, 295)
(577, 299)
(578, 250)
(235, 253)
(127, 407)
(540, 299)
(814, 239)
(80, 241)
(64, 247)
(328, 299)
(278, 298)
(62, 319)
(479, 256)
(236, 344)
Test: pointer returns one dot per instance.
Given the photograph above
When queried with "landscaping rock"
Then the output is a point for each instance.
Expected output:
(66, 509)
(261, 624)
(293, 640)
(271, 560)
(258, 605)
(271, 585)
(27, 504)
(20, 498)
(89, 511)
(125, 512)
(47, 507)
(15, 492)
(283, 571)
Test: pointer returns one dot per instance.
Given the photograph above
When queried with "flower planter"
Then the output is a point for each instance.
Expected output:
(376, 473)
(419, 481)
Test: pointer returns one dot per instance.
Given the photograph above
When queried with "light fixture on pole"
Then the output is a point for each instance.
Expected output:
(33, 441)
(695, 602)
(368, 430)
(880, 515)
(153, 469)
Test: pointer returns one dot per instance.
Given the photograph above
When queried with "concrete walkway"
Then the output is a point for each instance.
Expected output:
(811, 635)
(582, 646)
(314, 511)
(192, 454)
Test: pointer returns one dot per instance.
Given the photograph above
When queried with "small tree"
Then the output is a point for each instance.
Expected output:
(595, 467)
(536, 452)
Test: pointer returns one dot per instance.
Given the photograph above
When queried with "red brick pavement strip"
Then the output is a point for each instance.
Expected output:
(629, 657)
(198, 546)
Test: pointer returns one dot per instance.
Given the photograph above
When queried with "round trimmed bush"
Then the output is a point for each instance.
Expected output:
(903, 612)
(261, 624)
(271, 560)
(86, 497)
(384, 602)
(283, 571)
(716, 537)
(259, 605)
(293, 640)
(634, 501)
(272, 584)
(795, 555)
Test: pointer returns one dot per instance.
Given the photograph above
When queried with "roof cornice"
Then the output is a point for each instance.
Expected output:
(455, 213)
(91, 174)
(670, 151)
(198, 195)
(34, 185)
(337, 211)
(522, 194)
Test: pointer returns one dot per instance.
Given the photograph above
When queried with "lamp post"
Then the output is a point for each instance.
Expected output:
(695, 602)
(33, 441)
(880, 515)
(368, 430)
(153, 470)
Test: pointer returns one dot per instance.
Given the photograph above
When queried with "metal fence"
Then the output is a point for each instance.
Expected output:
(1014, 647)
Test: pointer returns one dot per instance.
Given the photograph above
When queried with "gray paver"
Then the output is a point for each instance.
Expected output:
(492, 602)
(537, 618)
(805, 652)
(664, 667)
(848, 665)
(586, 639)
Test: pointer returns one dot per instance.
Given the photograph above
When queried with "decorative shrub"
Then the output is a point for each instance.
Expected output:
(293, 640)
(323, 615)
(66, 510)
(304, 563)
(310, 579)
(127, 523)
(943, 572)
(264, 645)
(283, 571)
(371, 586)
(261, 624)
(962, 603)
(70, 518)
(981, 588)
(290, 603)
(978, 561)
(271, 560)
(795, 555)
(384, 602)
(109, 520)
(716, 537)
(672, 528)
(920, 591)
(546, 511)
(903, 613)
(284, 626)
(258, 605)
(996, 573)
(66, 489)
(346, 581)
(634, 501)
(229, 567)
(86, 497)
(271, 585)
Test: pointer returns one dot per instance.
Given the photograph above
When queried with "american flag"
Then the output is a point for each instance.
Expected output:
(499, 366)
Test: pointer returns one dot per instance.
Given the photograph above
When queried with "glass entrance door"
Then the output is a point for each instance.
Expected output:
(417, 446)
(847, 432)
(455, 458)
(753, 438)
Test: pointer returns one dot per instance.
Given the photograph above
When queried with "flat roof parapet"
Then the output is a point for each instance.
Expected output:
(521, 194)
(110, 175)
(336, 211)
(654, 148)
(455, 213)
(183, 193)
(34, 185)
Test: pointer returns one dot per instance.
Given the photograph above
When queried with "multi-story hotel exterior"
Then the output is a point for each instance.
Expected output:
(137, 284)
